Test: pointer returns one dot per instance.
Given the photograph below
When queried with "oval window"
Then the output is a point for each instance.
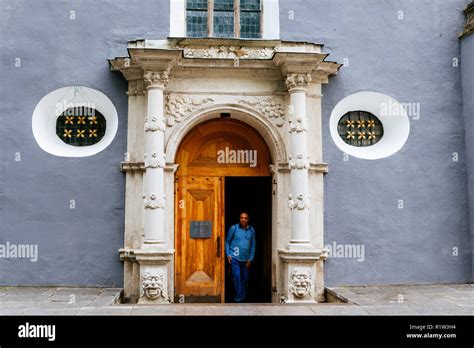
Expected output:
(74, 121)
(360, 128)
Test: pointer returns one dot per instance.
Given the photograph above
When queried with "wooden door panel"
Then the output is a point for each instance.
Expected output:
(198, 266)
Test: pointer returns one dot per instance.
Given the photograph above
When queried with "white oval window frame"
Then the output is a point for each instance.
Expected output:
(54, 103)
(390, 112)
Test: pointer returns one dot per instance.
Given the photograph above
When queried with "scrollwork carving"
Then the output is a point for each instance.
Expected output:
(179, 107)
(229, 52)
(272, 107)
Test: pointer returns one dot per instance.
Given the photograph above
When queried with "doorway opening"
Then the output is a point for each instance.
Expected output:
(254, 195)
(211, 189)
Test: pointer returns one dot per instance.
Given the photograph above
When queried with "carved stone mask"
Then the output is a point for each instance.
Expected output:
(153, 285)
(301, 283)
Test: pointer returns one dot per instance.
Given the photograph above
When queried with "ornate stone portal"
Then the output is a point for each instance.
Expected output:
(275, 87)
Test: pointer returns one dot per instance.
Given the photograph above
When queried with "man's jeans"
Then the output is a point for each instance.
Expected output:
(240, 277)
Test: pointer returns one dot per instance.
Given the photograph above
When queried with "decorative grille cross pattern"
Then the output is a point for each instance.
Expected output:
(360, 128)
(81, 126)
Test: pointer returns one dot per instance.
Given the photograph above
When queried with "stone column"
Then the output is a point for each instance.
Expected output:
(154, 159)
(300, 256)
(298, 161)
(154, 256)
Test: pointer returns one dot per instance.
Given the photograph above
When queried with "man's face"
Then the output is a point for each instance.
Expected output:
(244, 219)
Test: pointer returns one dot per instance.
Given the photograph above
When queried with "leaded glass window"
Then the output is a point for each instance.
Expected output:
(250, 13)
(80, 126)
(360, 128)
(223, 18)
(196, 18)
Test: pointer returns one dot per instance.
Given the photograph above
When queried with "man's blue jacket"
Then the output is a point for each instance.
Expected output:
(240, 243)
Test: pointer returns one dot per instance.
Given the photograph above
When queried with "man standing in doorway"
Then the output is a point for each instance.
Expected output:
(240, 251)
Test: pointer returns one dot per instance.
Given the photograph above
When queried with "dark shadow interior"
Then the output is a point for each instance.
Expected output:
(253, 194)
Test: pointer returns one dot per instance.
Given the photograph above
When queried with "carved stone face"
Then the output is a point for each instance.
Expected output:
(152, 286)
(301, 283)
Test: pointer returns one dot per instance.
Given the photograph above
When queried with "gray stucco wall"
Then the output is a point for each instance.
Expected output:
(79, 246)
(467, 68)
(410, 60)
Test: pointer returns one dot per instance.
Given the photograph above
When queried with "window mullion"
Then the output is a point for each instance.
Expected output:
(237, 19)
(210, 17)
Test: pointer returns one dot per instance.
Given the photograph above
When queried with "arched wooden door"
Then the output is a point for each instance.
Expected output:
(210, 152)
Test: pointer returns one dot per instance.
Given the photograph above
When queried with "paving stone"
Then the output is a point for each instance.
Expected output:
(102, 302)
(51, 311)
(390, 310)
(415, 288)
(285, 310)
(27, 290)
(23, 304)
(464, 301)
(467, 308)
(41, 304)
(338, 310)
(171, 310)
(77, 304)
(366, 300)
(12, 311)
(116, 310)
(114, 290)
(109, 294)
(30, 296)
(462, 286)
(437, 309)
(71, 298)
(460, 299)
(239, 310)
(443, 311)
(76, 290)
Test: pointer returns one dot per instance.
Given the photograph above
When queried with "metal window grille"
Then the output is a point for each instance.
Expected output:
(80, 126)
(360, 128)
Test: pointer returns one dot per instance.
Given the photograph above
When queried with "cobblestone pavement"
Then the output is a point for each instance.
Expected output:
(451, 299)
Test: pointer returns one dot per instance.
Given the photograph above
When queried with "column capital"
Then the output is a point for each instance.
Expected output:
(156, 79)
(297, 81)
